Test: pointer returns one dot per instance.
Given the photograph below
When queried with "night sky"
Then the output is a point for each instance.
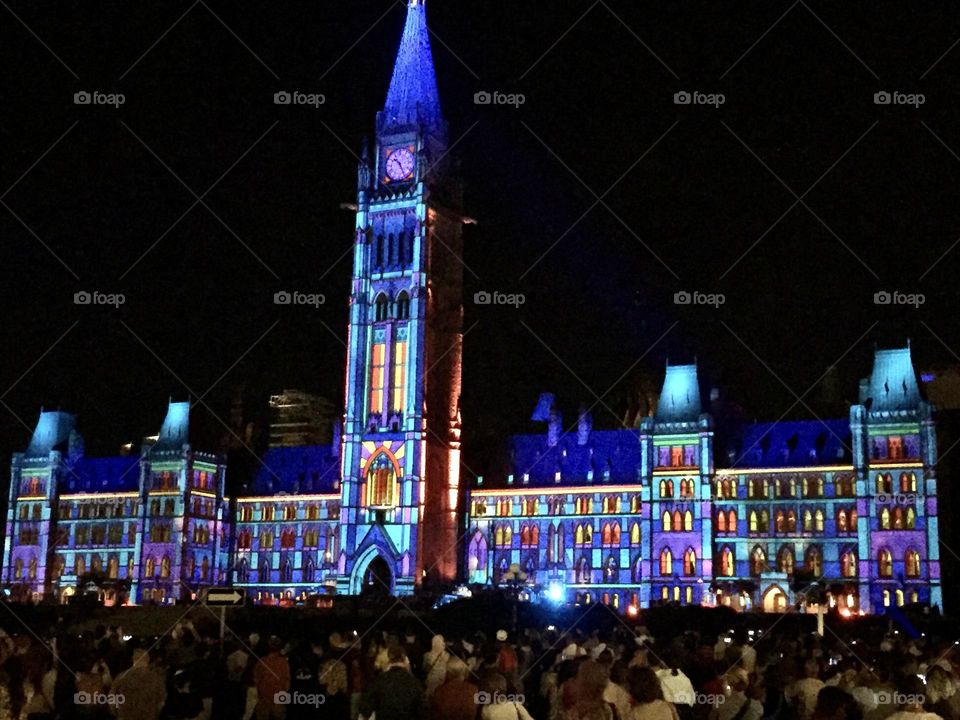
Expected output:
(692, 198)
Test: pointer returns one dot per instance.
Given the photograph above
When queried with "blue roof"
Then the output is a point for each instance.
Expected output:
(175, 431)
(616, 451)
(801, 443)
(680, 396)
(893, 382)
(414, 82)
(53, 430)
(298, 470)
(106, 474)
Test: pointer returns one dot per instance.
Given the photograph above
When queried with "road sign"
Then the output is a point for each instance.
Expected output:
(224, 596)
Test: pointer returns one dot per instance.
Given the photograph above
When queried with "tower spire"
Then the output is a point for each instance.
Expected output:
(413, 92)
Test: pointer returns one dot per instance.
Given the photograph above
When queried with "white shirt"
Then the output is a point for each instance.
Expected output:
(505, 711)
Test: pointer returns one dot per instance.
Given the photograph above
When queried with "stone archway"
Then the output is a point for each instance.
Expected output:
(372, 575)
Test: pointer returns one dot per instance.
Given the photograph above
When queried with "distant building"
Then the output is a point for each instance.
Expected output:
(299, 418)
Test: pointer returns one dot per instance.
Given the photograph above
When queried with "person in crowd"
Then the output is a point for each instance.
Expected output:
(456, 699)
(494, 701)
(142, 687)
(395, 694)
(435, 665)
(271, 676)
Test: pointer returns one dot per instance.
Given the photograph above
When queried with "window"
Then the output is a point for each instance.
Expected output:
(266, 514)
(382, 308)
(583, 571)
(848, 564)
(688, 521)
(731, 521)
(150, 569)
(244, 538)
(246, 513)
(807, 521)
(289, 511)
(845, 486)
(813, 560)
(785, 560)
(690, 562)
(377, 364)
(885, 563)
(666, 562)
(399, 386)
(403, 306)
(288, 539)
(884, 484)
(908, 482)
(758, 488)
(266, 540)
(726, 562)
(381, 482)
(754, 524)
(758, 561)
(676, 456)
(912, 564)
(667, 523)
(635, 534)
(895, 447)
(687, 488)
(885, 519)
(666, 488)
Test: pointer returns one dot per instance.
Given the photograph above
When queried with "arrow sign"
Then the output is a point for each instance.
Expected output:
(224, 597)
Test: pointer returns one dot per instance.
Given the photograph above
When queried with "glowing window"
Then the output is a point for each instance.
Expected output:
(399, 386)
(381, 483)
(377, 361)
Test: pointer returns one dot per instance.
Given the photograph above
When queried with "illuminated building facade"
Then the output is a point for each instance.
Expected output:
(140, 527)
(377, 508)
(662, 514)
(674, 510)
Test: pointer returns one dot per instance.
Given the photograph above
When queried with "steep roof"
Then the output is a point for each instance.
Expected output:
(175, 431)
(680, 396)
(893, 382)
(52, 432)
(298, 470)
(414, 81)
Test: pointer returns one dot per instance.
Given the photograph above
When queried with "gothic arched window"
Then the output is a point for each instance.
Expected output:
(381, 482)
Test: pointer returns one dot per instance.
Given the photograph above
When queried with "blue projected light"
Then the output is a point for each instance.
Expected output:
(555, 592)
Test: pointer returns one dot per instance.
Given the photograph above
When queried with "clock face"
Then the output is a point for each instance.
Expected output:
(400, 164)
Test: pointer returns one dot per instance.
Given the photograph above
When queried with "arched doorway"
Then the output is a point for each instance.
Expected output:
(377, 579)
(775, 600)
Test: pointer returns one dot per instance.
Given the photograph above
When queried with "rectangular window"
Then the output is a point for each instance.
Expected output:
(377, 360)
(399, 387)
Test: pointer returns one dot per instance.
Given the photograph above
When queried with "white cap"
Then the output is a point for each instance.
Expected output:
(502, 635)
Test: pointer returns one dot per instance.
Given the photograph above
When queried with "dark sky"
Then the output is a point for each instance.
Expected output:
(878, 187)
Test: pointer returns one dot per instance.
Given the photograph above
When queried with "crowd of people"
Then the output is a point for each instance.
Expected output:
(533, 674)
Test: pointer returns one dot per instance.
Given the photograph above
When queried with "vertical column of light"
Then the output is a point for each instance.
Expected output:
(15, 478)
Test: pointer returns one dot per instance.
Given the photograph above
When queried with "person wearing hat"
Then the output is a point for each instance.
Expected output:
(506, 656)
